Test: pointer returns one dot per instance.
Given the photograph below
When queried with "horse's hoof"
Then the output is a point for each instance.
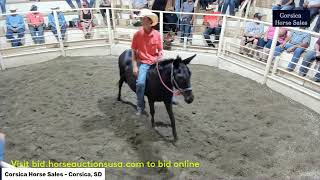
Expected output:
(119, 99)
(175, 139)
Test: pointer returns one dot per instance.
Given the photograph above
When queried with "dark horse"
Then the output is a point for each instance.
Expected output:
(172, 73)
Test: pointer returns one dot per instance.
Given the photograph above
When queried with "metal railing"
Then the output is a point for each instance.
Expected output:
(270, 67)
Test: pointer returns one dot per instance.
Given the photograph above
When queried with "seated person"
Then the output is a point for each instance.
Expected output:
(2, 143)
(284, 5)
(105, 4)
(86, 19)
(36, 25)
(296, 42)
(252, 33)
(170, 21)
(213, 26)
(265, 43)
(308, 58)
(312, 5)
(62, 23)
(15, 24)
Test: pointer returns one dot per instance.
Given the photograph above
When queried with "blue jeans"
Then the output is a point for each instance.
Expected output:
(71, 4)
(3, 6)
(307, 60)
(15, 42)
(185, 28)
(287, 7)
(37, 34)
(267, 44)
(296, 55)
(216, 31)
(141, 85)
(231, 4)
(1, 149)
(63, 30)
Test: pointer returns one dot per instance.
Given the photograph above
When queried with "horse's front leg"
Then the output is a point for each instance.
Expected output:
(151, 105)
(173, 121)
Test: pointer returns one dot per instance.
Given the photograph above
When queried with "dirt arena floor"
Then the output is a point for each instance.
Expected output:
(66, 110)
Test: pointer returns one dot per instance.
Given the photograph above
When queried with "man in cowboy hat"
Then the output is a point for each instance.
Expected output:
(36, 25)
(62, 23)
(147, 49)
(15, 24)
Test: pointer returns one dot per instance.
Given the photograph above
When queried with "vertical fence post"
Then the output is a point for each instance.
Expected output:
(223, 29)
(271, 54)
(109, 30)
(248, 9)
(161, 25)
(1, 62)
(55, 14)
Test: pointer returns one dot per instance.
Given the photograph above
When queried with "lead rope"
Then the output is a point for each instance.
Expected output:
(173, 92)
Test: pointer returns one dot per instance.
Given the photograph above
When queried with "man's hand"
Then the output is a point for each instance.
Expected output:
(265, 39)
(135, 70)
(291, 49)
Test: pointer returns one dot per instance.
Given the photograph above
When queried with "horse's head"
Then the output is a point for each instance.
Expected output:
(182, 76)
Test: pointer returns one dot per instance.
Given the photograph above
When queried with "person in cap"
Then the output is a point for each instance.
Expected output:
(62, 23)
(36, 25)
(147, 49)
(213, 26)
(15, 24)
(3, 6)
(252, 33)
(2, 143)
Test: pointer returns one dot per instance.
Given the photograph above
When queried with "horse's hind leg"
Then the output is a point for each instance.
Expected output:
(172, 119)
(120, 86)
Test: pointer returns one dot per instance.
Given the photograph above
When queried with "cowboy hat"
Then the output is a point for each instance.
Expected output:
(13, 8)
(149, 14)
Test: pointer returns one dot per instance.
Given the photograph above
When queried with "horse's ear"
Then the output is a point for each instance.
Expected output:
(188, 60)
(177, 61)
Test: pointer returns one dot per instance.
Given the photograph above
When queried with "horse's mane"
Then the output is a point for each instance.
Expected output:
(164, 62)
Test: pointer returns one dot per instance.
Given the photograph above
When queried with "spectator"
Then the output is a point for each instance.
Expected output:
(170, 20)
(3, 6)
(105, 4)
(309, 57)
(15, 24)
(90, 3)
(204, 3)
(62, 23)
(137, 4)
(213, 26)
(231, 4)
(86, 19)
(317, 26)
(296, 42)
(284, 5)
(158, 5)
(36, 25)
(313, 6)
(252, 33)
(266, 42)
(186, 20)
(71, 4)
